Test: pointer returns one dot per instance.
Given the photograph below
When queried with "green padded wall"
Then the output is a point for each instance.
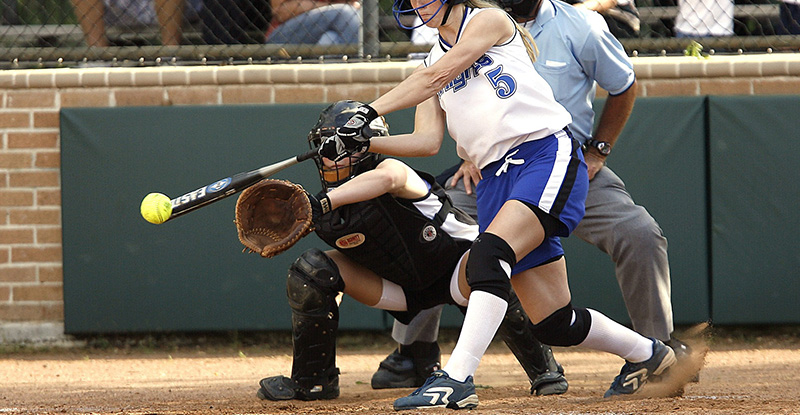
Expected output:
(754, 177)
(122, 274)
(661, 158)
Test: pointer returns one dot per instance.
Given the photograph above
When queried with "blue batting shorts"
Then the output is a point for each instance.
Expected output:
(549, 173)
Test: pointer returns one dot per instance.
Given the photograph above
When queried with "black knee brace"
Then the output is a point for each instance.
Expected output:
(556, 329)
(484, 272)
(312, 286)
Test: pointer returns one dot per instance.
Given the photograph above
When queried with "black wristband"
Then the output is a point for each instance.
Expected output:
(325, 204)
(368, 112)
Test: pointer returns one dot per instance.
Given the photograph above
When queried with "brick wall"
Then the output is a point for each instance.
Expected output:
(30, 215)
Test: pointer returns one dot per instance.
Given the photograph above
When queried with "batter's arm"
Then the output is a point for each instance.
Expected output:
(485, 30)
(424, 141)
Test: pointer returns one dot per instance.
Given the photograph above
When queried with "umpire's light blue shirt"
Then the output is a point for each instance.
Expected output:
(575, 50)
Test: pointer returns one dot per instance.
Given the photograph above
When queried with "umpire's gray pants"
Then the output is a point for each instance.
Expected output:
(620, 228)
(634, 241)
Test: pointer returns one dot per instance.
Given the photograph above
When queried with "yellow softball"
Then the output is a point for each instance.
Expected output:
(156, 208)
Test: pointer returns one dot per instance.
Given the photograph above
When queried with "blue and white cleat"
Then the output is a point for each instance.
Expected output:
(634, 375)
(439, 391)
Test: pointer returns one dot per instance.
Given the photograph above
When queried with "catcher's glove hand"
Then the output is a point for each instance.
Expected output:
(319, 206)
(272, 215)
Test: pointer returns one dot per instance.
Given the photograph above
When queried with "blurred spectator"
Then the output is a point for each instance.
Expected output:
(702, 18)
(315, 22)
(622, 16)
(790, 17)
(232, 22)
(95, 15)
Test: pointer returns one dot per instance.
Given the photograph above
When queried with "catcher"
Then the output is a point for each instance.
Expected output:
(400, 246)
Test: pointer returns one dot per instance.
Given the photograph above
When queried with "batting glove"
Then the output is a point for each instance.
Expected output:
(353, 137)
(333, 148)
(355, 134)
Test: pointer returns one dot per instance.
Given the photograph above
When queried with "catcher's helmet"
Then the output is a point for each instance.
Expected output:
(399, 8)
(331, 118)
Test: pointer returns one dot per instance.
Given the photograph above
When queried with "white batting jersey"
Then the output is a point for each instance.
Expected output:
(499, 102)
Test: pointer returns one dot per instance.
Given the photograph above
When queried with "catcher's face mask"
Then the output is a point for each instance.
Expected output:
(335, 174)
(341, 171)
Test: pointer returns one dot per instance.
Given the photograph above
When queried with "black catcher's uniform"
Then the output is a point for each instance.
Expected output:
(394, 239)
(413, 243)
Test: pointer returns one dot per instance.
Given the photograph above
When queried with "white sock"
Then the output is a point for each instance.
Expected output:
(607, 335)
(485, 312)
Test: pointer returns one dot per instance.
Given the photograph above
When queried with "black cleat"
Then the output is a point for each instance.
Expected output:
(398, 371)
(682, 352)
(282, 388)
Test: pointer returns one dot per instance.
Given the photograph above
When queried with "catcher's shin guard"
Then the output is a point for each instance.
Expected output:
(544, 373)
(312, 286)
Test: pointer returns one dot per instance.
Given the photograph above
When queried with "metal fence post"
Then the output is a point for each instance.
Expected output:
(371, 25)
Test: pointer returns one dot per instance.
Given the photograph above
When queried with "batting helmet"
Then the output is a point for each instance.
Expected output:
(399, 9)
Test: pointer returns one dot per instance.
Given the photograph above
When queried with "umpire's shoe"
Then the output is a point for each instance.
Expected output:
(401, 371)
(440, 391)
(682, 352)
(634, 375)
(282, 388)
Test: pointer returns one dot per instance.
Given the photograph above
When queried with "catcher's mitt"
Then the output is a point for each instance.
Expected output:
(272, 215)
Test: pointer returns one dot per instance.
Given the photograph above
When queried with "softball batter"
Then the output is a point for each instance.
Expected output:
(534, 190)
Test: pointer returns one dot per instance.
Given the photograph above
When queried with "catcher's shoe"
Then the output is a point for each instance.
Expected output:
(634, 375)
(282, 388)
(399, 371)
(440, 391)
(552, 380)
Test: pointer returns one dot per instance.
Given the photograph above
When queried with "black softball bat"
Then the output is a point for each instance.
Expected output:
(223, 188)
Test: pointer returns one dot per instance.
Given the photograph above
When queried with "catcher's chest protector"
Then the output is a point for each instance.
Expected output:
(393, 239)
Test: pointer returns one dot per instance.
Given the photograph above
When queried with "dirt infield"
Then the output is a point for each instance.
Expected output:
(742, 375)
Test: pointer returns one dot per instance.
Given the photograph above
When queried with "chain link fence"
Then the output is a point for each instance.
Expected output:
(52, 33)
